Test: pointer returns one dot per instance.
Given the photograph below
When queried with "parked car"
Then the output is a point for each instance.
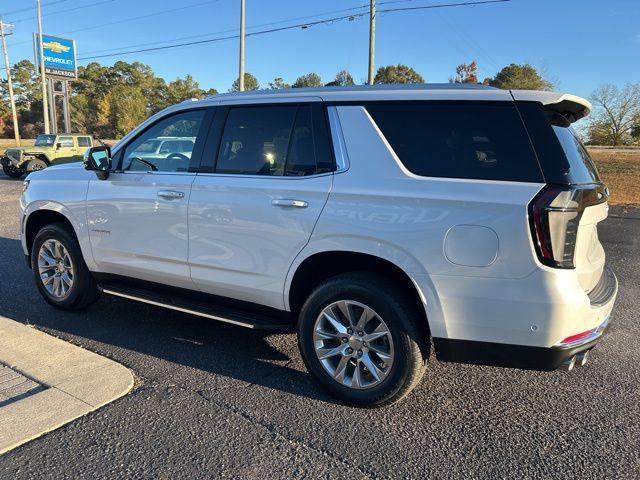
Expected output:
(166, 149)
(47, 150)
(376, 222)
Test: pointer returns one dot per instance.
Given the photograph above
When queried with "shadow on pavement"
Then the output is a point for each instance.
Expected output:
(211, 347)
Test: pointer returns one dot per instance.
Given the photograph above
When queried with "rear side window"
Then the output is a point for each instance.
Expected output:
(255, 140)
(472, 140)
(65, 141)
(84, 141)
(273, 141)
(563, 158)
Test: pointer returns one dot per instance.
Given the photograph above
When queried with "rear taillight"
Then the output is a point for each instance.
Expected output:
(554, 216)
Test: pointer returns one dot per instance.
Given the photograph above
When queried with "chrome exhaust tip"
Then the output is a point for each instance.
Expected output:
(568, 364)
(581, 358)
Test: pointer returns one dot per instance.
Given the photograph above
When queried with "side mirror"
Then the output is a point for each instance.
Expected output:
(58, 146)
(98, 159)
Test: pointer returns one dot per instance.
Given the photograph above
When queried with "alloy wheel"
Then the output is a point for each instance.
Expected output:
(354, 344)
(55, 268)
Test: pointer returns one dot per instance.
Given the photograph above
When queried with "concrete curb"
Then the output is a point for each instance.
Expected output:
(75, 382)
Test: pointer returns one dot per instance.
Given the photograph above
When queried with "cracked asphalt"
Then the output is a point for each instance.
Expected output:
(213, 400)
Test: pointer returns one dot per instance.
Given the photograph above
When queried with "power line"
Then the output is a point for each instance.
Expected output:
(140, 17)
(28, 9)
(220, 32)
(67, 10)
(124, 20)
(327, 21)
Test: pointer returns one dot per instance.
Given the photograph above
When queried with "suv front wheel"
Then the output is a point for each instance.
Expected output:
(12, 171)
(60, 273)
(361, 339)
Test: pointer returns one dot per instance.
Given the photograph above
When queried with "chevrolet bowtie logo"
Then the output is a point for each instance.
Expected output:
(56, 47)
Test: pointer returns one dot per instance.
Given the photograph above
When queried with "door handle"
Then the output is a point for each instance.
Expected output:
(285, 202)
(170, 194)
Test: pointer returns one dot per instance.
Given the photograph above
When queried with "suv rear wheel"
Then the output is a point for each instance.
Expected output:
(361, 340)
(59, 270)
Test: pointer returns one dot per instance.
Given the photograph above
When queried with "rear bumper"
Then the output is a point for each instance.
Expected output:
(513, 356)
(538, 322)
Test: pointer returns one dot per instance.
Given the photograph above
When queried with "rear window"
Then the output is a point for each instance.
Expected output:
(581, 167)
(471, 140)
(563, 158)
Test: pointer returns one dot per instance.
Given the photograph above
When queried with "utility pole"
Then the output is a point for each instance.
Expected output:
(241, 68)
(8, 67)
(45, 104)
(372, 39)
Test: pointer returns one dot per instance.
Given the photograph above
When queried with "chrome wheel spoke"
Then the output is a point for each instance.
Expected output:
(324, 353)
(366, 315)
(334, 322)
(47, 260)
(353, 344)
(375, 371)
(380, 331)
(380, 353)
(341, 369)
(356, 381)
(345, 309)
(324, 335)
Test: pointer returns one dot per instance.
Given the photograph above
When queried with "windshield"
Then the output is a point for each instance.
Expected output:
(581, 167)
(45, 140)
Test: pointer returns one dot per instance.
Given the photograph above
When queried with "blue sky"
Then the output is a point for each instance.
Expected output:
(578, 44)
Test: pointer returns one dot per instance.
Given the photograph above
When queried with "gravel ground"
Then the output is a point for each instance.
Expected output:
(217, 401)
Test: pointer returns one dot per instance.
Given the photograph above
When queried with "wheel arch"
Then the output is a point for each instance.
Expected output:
(319, 266)
(39, 155)
(39, 214)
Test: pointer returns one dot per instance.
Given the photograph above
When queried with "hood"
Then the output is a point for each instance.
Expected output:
(65, 171)
(28, 149)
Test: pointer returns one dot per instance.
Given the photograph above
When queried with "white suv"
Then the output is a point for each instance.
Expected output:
(377, 222)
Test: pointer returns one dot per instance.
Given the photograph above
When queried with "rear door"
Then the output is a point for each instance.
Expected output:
(66, 149)
(265, 178)
(84, 143)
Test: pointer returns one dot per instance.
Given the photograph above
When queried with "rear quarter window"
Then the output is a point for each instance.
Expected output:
(84, 141)
(469, 140)
(563, 158)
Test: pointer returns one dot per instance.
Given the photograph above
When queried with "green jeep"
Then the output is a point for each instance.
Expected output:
(48, 150)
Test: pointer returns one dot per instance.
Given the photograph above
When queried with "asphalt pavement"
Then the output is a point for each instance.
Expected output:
(213, 400)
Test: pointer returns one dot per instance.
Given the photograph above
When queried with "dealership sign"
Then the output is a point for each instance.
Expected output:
(59, 57)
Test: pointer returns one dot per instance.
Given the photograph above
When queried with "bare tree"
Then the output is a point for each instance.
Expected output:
(466, 73)
(616, 112)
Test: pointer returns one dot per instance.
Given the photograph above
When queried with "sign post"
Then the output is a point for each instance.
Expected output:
(40, 56)
(59, 66)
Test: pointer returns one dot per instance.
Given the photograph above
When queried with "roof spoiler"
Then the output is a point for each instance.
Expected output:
(571, 107)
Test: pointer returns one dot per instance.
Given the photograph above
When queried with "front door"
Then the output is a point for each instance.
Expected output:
(137, 218)
(254, 205)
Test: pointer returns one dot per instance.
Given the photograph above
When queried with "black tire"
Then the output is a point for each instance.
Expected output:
(36, 164)
(399, 312)
(84, 291)
(12, 171)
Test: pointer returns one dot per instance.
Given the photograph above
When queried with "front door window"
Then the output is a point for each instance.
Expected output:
(165, 147)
